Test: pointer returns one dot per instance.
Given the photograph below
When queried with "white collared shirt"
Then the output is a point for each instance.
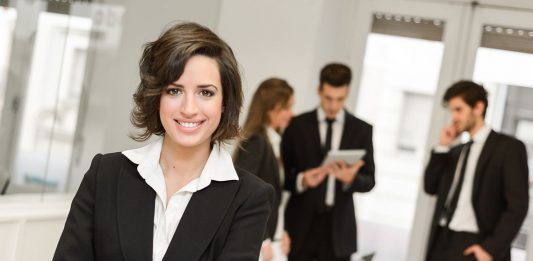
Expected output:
(219, 167)
(464, 218)
(336, 135)
(275, 140)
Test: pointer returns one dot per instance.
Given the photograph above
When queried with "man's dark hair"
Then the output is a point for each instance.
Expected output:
(469, 91)
(336, 75)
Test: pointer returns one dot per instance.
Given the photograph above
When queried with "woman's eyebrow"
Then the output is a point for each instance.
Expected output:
(204, 86)
(201, 86)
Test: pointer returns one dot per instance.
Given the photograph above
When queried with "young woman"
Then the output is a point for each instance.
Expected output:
(179, 197)
(270, 112)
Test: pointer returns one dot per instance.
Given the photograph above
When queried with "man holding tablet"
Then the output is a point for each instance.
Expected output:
(320, 216)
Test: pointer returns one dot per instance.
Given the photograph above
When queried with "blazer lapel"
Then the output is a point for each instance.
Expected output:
(272, 157)
(347, 133)
(484, 157)
(315, 135)
(135, 214)
(200, 221)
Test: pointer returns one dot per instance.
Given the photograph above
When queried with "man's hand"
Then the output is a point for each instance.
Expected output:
(285, 243)
(344, 173)
(313, 177)
(447, 135)
(478, 252)
(266, 251)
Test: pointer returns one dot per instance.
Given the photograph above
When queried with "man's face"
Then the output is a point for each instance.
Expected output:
(464, 117)
(332, 99)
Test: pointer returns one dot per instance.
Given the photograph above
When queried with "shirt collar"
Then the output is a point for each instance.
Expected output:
(219, 165)
(322, 115)
(482, 134)
(146, 157)
(273, 135)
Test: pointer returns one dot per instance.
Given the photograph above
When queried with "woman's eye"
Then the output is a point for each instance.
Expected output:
(207, 93)
(173, 91)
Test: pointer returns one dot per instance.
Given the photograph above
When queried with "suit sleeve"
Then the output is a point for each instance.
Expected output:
(76, 241)
(516, 193)
(250, 155)
(365, 179)
(287, 155)
(437, 165)
(246, 234)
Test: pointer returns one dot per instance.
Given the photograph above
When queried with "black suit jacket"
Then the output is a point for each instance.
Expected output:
(112, 217)
(500, 194)
(301, 150)
(257, 156)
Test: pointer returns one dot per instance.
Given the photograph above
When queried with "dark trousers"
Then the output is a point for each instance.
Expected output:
(318, 244)
(450, 245)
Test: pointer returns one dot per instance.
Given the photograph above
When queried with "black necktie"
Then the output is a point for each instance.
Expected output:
(327, 143)
(451, 202)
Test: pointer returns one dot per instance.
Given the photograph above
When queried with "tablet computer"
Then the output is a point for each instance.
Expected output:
(349, 156)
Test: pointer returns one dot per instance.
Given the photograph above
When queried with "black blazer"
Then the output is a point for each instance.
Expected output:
(500, 194)
(112, 217)
(257, 156)
(301, 150)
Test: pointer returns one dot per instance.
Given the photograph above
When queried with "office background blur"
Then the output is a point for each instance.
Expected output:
(68, 70)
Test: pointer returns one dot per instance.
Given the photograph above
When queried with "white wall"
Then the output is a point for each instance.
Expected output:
(287, 39)
(30, 225)
(274, 38)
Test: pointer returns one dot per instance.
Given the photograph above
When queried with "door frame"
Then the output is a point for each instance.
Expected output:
(454, 16)
(506, 17)
(462, 36)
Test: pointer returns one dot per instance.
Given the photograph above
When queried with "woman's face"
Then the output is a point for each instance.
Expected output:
(280, 116)
(191, 107)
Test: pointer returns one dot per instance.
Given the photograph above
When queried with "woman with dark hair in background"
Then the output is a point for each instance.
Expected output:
(270, 112)
(179, 197)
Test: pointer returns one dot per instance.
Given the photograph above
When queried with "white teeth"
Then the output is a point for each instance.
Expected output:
(189, 124)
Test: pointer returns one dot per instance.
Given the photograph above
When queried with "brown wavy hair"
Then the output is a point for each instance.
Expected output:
(163, 62)
(270, 93)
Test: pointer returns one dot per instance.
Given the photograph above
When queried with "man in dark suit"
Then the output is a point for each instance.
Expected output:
(320, 214)
(481, 185)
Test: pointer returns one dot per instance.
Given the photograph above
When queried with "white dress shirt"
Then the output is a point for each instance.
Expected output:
(219, 167)
(464, 218)
(336, 135)
(275, 140)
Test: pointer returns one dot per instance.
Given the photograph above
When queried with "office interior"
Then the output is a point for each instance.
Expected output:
(68, 70)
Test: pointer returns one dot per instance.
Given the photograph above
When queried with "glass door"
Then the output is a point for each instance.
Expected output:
(405, 59)
(42, 94)
(501, 58)
(8, 17)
